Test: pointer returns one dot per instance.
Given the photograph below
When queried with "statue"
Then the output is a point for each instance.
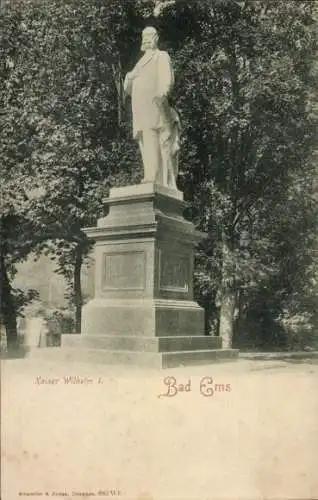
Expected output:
(156, 126)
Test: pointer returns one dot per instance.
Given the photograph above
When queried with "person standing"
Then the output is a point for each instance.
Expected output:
(36, 329)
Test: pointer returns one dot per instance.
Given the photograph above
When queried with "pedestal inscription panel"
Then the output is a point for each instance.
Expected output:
(174, 272)
(124, 271)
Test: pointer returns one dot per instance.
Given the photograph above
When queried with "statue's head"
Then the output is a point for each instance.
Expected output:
(149, 39)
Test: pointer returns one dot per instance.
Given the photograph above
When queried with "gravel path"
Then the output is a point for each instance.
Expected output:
(75, 431)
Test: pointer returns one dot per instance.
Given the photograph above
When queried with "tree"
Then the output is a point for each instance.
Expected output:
(64, 91)
(13, 248)
(243, 84)
(16, 228)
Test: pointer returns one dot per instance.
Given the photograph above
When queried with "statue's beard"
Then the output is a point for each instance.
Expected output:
(147, 46)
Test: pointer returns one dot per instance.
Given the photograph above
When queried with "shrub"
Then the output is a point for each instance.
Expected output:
(60, 321)
(299, 328)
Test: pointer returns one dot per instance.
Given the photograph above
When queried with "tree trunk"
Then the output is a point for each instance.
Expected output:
(78, 289)
(228, 295)
(7, 307)
(227, 318)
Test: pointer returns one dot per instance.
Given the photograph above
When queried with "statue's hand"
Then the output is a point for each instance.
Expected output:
(159, 100)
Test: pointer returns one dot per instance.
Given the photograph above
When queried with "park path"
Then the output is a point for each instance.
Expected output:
(255, 437)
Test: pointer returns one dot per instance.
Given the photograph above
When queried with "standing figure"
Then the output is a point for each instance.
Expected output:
(156, 126)
(36, 327)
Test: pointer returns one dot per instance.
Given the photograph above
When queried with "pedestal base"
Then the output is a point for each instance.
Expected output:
(143, 311)
(149, 317)
(160, 353)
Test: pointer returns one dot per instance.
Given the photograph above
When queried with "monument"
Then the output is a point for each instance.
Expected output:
(143, 311)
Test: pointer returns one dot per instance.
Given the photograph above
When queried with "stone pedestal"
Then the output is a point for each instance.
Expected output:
(143, 311)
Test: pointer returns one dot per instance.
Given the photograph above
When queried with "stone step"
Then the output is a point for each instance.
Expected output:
(143, 344)
(195, 358)
(139, 359)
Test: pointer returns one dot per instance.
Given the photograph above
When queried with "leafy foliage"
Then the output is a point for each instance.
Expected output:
(245, 77)
(62, 125)
(247, 94)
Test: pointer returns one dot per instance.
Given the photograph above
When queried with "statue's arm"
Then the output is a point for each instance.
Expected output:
(128, 83)
(166, 75)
